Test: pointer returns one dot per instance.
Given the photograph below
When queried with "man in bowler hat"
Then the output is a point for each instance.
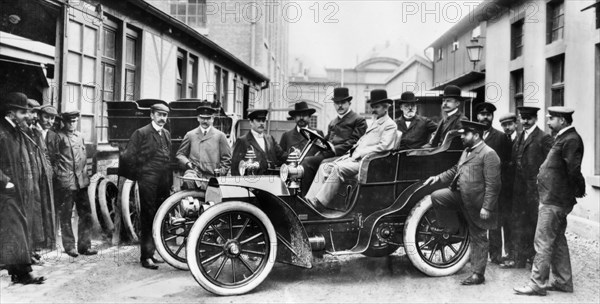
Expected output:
(148, 155)
(292, 138)
(474, 189)
(560, 182)
(451, 101)
(416, 129)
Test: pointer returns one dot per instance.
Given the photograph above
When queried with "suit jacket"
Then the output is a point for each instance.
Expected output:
(498, 141)
(560, 180)
(479, 180)
(71, 161)
(52, 148)
(417, 134)
(274, 154)
(142, 146)
(380, 136)
(208, 152)
(344, 133)
(293, 139)
(446, 125)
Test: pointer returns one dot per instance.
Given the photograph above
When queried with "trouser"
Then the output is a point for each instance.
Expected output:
(552, 250)
(311, 166)
(18, 269)
(524, 219)
(447, 203)
(502, 235)
(337, 172)
(66, 199)
(154, 189)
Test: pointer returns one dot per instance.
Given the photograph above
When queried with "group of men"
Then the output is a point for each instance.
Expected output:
(42, 176)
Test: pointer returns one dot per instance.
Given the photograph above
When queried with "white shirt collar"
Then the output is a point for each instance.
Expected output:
(10, 122)
(452, 112)
(563, 131)
(257, 135)
(513, 135)
(342, 116)
(156, 127)
(530, 129)
(205, 130)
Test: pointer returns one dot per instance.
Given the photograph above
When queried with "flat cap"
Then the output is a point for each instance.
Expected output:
(508, 117)
(48, 109)
(160, 106)
(33, 104)
(528, 111)
(258, 114)
(69, 116)
(560, 112)
(485, 107)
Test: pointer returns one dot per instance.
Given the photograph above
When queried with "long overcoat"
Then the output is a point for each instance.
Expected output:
(274, 153)
(208, 152)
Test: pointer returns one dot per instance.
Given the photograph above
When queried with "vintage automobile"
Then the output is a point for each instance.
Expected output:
(230, 231)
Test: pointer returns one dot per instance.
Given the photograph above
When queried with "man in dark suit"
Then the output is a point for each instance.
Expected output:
(343, 132)
(416, 130)
(527, 155)
(474, 190)
(560, 182)
(508, 122)
(451, 101)
(498, 141)
(268, 153)
(148, 153)
(292, 138)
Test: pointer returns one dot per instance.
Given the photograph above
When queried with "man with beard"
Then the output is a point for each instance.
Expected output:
(560, 182)
(527, 155)
(16, 184)
(474, 190)
(292, 138)
(204, 151)
(496, 140)
(343, 132)
(268, 153)
(415, 129)
(451, 100)
(148, 155)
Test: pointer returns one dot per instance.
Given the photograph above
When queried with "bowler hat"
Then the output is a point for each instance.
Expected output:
(528, 111)
(508, 117)
(560, 112)
(452, 91)
(407, 97)
(258, 114)
(301, 108)
(471, 126)
(205, 109)
(69, 116)
(16, 100)
(485, 107)
(378, 96)
(160, 106)
(341, 95)
(48, 109)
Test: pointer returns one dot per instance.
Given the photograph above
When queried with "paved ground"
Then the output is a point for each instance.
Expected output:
(115, 276)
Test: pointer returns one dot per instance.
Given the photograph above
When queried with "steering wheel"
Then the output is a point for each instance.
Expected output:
(317, 139)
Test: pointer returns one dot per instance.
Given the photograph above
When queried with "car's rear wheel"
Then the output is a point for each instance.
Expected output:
(434, 254)
(172, 225)
(130, 209)
(231, 248)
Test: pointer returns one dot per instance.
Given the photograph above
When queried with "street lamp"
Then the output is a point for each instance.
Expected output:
(474, 51)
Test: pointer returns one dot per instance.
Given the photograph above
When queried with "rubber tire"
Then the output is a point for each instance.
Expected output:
(92, 197)
(157, 225)
(410, 229)
(128, 186)
(199, 226)
(108, 222)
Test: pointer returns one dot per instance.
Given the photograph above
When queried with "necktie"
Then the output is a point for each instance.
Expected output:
(204, 133)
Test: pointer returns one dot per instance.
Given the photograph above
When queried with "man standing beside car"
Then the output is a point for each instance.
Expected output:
(474, 189)
(148, 155)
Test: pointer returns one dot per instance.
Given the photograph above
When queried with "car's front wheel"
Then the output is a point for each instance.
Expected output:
(434, 253)
(231, 248)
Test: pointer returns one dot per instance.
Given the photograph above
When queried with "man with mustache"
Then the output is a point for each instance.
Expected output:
(292, 138)
(509, 125)
(451, 101)
(415, 129)
(474, 190)
(496, 140)
(268, 153)
(527, 154)
(148, 157)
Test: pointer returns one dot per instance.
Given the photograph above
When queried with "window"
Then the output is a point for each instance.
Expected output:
(455, 46)
(597, 142)
(239, 97)
(191, 12)
(557, 77)
(186, 83)
(180, 73)
(598, 15)
(516, 34)
(221, 82)
(518, 87)
(192, 77)
(312, 123)
(131, 65)
(440, 54)
(555, 21)
(109, 62)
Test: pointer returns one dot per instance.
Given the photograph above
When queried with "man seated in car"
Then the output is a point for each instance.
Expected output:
(380, 136)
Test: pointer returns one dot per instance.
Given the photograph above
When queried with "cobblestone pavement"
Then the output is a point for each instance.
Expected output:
(116, 276)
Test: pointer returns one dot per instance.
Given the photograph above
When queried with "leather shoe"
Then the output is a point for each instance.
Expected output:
(157, 261)
(508, 264)
(88, 252)
(72, 253)
(528, 291)
(474, 279)
(557, 287)
(148, 263)
(27, 279)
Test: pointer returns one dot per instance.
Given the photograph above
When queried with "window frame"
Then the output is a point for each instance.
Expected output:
(555, 21)
(518, 87)
(516, 49)
(556, 87)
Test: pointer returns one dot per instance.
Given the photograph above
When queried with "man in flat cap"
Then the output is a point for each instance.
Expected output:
(379, 137)
(451, 101)
(343, 132)
(292, 138)
(416, 129)
(268, 152)
(474, 190)
(527, 155)
(71, 182)
(148, 157)
(508, 122)
(204, 150)
(16, 183)
(560, 182)
(498, 141)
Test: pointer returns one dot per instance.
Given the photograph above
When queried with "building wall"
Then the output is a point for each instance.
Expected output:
(415, 78)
